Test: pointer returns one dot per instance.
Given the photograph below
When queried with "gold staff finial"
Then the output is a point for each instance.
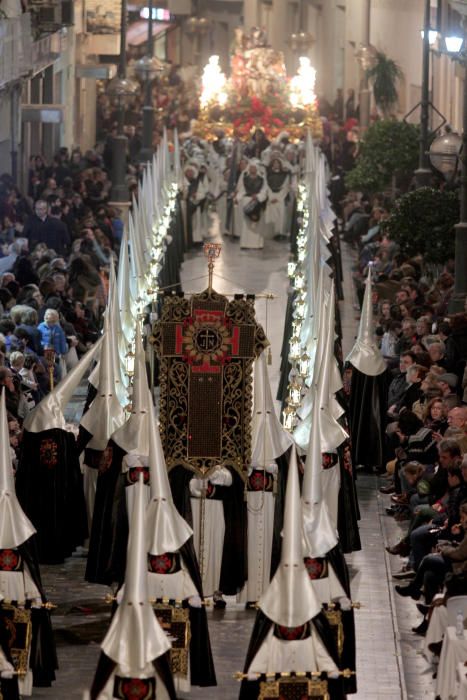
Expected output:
(211, 252)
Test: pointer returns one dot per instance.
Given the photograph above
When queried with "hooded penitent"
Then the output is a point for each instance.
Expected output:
(167, 530)
(173, 566)
(365, 354)
(289, 599)
(368, 392)
(48, 479)
(127, 453)
(324, 559)
(15, 527)
(290, 632)
(269, 439)
(319, 532)
(135, 647)
(19, 574)
(105, 414)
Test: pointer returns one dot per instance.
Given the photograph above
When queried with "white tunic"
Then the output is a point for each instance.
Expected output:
(278, 655)
(133, 461)
(251, 231)
(328, 589)
(148, 672)
(331, 480)
(260, 509)
(210, 559)
(275, 215)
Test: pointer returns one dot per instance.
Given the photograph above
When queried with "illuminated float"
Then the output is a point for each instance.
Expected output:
(258, 94)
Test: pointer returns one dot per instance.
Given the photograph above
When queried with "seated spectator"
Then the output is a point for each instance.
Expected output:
(399, 385)
(434, 567)
(448, 383)
(457, 426)
(407, 337)
(415, 376)
(434, 416)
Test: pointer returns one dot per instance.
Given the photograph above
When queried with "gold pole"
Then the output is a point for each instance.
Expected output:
(211, 252)
(49, 354)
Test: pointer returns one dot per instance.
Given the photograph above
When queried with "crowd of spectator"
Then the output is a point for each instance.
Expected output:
(57, 242)
(425, 465)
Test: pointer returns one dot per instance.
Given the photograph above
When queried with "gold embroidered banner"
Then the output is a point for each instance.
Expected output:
(206, 346)
(294, 689)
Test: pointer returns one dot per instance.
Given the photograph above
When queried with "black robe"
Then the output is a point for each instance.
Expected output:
(49, 486)
(348, 509)
(106, 666)
(109, 530)
(335, 557)
(250, 689)
(337, 560)
(367, 418)
(43, 656)
(234, 557)
(107, 560)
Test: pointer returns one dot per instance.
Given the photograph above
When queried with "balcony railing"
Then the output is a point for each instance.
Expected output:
(15, 48)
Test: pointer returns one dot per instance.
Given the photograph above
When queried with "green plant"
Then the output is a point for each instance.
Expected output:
(422, 223)
(388, 152)
(384, 75)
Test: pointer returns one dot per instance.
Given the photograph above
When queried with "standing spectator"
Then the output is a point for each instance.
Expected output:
(53, 337)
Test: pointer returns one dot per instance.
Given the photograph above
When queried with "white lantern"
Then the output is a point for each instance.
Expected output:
(304, 365)
(295, 394)
(288, 418)
(295, 348)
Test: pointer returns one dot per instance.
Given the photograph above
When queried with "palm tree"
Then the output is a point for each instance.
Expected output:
(384, 74)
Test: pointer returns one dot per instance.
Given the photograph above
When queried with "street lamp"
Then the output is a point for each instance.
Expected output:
(459, 296)
(121, 88)
(366, 57)
(423, 172)
(146, 69)
(444, 154)
(197, 26)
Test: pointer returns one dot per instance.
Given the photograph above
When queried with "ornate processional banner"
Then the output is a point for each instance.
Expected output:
(206, 345)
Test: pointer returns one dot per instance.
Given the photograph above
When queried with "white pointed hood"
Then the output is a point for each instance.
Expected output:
(105, 413)
(319, 534)
(15, 527)
(133, 436)
(135, 637)
(119, 348)
(166, 530)
(269, 439)
(332, 434)
(176, 160)
(125, 299)
(289, 599)
(365, 354)
(49, 413)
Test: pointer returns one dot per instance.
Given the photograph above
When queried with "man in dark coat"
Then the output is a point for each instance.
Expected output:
(43, 227)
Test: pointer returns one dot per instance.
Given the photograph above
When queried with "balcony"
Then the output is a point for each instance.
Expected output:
(15, 48)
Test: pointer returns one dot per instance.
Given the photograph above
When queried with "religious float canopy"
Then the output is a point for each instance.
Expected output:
(258, 94)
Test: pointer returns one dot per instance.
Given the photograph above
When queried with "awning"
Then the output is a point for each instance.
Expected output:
(137, 33)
